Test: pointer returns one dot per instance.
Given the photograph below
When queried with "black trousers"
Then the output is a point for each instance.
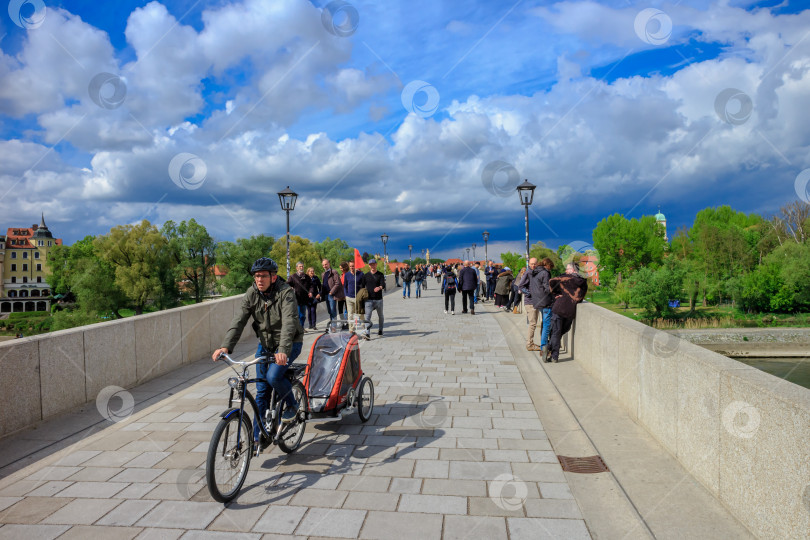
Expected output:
(450, 298)
(559, 327)
(464, 296)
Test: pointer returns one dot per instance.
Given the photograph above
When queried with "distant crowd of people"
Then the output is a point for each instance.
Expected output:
(548, 302)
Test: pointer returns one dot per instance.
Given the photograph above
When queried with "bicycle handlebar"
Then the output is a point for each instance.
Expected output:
(231, 362)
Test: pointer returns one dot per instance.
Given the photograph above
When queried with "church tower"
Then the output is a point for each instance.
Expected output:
(662, 221)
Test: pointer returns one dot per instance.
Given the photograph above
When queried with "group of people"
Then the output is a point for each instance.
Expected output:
(552, 302)
(347, 293)
(418, 275)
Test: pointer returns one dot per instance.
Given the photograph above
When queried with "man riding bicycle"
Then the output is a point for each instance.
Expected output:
(271, 302)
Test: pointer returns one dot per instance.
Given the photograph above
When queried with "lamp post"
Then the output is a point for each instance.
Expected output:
(473, 246)
(287, 199)
(486, 252)
(423, 253)
(468, 254)
(526, 194)
(410, 254)
(384, 238)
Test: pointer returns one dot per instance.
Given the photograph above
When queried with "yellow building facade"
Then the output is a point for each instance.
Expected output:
(24, 268)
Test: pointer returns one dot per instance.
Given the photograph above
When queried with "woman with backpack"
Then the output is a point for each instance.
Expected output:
(450, 287)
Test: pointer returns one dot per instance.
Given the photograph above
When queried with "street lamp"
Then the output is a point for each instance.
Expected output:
(410, 252)
(468, 254)
(287, 199)
(526, 194)
(473, 251)
(486, 253)
(423, 253)
(384, 238)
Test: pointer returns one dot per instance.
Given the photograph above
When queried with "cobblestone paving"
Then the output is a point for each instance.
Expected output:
(454, 449)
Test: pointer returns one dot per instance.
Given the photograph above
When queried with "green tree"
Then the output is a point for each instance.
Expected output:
(78, 270)
(301, 249)
(623, 293)
(540, 252)
(653, 289)
(627, 245)
(780, 282)
(515, 261)
(192, 253)
(336, 251)
(136, 253)
(237, 258)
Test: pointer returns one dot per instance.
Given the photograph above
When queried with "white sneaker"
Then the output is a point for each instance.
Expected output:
(445, 312)
(452, 313)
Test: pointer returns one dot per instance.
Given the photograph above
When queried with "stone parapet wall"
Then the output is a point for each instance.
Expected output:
(744, 434)
(43, 376)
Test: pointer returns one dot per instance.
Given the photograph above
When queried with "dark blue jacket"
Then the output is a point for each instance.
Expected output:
(467, 279)
(350, 283)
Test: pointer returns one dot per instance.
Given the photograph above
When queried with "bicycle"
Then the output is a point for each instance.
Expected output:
(232, 444)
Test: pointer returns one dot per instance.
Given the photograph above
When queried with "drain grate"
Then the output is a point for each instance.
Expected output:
(583, 465)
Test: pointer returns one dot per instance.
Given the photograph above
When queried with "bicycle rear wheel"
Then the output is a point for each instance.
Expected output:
(365, 399)
(293, 432)
(228, 460)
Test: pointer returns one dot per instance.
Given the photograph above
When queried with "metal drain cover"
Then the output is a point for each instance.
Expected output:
(583, 465)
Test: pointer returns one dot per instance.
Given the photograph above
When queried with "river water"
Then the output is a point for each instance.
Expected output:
(795, 370)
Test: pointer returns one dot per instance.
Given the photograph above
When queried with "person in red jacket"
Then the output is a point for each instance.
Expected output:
(568, 291)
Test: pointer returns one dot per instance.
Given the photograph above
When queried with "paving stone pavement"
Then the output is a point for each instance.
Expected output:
(454, 449)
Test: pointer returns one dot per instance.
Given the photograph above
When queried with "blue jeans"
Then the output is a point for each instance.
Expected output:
(544, 333)
(475, 296)
(418, 288)
(406, 286)
(274, 375)
(302, 314)
(331, 307)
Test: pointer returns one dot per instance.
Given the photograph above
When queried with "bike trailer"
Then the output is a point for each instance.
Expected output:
(333, 373)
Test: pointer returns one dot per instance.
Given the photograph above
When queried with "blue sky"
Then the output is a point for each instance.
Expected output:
(606, 106)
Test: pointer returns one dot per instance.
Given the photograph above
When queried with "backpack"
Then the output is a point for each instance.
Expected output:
(449, 283)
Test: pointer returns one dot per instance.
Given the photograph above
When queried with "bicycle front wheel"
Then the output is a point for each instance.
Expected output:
(229, 457)
(293, 432)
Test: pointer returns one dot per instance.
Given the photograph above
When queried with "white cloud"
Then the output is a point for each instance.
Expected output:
(586, 143)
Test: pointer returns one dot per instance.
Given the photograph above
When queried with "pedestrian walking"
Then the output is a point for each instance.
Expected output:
(492, 274)
(300, 283)
(374, 283)
(449, 288)
(418, 278)
(351, 279)
(396, 276)
(407, 277)
(331, 289)
(568, 291)
(467, 282)
(314, 298)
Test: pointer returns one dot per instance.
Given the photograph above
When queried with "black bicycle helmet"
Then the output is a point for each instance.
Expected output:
(264, 263)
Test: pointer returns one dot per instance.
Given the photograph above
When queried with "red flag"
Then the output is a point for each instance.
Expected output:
(358, 260)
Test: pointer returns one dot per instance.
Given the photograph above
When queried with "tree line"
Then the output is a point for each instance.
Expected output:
(143, 267)
(754, 263)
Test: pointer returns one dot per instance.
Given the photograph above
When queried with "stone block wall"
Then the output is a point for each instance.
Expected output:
(744, 434)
